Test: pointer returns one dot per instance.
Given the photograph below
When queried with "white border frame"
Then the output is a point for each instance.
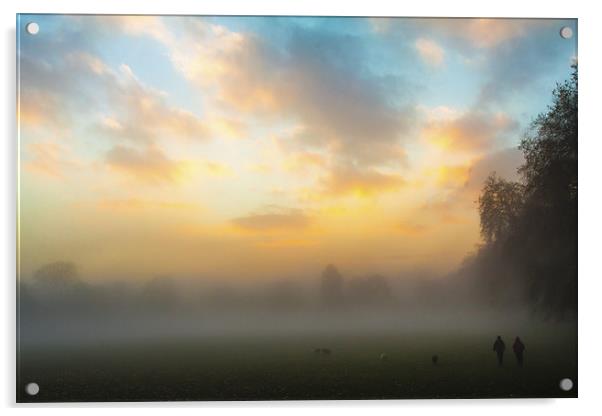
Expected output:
(590, 151)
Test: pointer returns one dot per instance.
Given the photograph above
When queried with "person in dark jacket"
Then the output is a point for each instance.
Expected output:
(499, 347)
(519, 349)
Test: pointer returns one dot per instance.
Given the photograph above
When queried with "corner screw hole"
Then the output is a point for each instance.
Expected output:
(566, 384)
(32, 389)
(566, 32)
(32, 28)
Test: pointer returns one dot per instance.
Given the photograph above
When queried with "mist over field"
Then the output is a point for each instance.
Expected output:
(331, 337)
(58, 307)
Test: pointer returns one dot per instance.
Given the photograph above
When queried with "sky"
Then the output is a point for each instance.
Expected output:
(254, 148)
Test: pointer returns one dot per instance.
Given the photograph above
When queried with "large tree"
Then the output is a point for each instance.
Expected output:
(548, 227)
(500, 203)
(530, 228)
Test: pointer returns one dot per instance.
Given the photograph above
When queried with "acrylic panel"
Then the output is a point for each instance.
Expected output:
(296, 208)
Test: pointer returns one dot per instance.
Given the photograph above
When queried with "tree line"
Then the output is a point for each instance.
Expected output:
(529, 227)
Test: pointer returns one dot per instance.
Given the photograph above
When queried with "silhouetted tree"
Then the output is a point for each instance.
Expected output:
(58, 287)
(548, 227)
(550, 150)
(59, 281)
(331, 286)
(499, 206)
(530, 228)
(60, 274)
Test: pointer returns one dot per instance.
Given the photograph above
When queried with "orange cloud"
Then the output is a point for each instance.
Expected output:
(279, 219)
(478, 33)
(470, 131)
(149, 165)
(347, 180)
(143, 114)
(239, 72)
(464, 182)
(287, 243)
(48, 159)
(451, 176)
(223, 62)
(486, 33)
(136, 204)
(40, 109)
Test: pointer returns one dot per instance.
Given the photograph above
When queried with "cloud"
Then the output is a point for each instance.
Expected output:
(152, 26)
(46, 98)
(430, 52)
(49, 159)
(350, 180)
(484, 33)
(346, 110)
(381, 25)
(349, 114)
(41, 109)
(451, 207)
(228, 65)
(137, 204)
(504, 162)
(450, 175)
(511, 54)
(342, 105)
(68, 90)
(66, 83)
(275, 218)
(469, 131)
(149, 165)
(480, 33)
(287, 243)
(141, 114)
(524, 63)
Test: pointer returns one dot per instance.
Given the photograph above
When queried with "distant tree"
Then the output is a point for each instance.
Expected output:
(331, 286)
(57, 280)
(499, 206)
(59, 286)
(57, 274)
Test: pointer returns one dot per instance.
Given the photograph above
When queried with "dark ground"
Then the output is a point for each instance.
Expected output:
(286, 368)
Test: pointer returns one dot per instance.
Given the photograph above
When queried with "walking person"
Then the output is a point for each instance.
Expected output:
(519, 349)
(499, 347)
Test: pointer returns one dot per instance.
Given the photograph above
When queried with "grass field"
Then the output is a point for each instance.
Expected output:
(285, 367)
